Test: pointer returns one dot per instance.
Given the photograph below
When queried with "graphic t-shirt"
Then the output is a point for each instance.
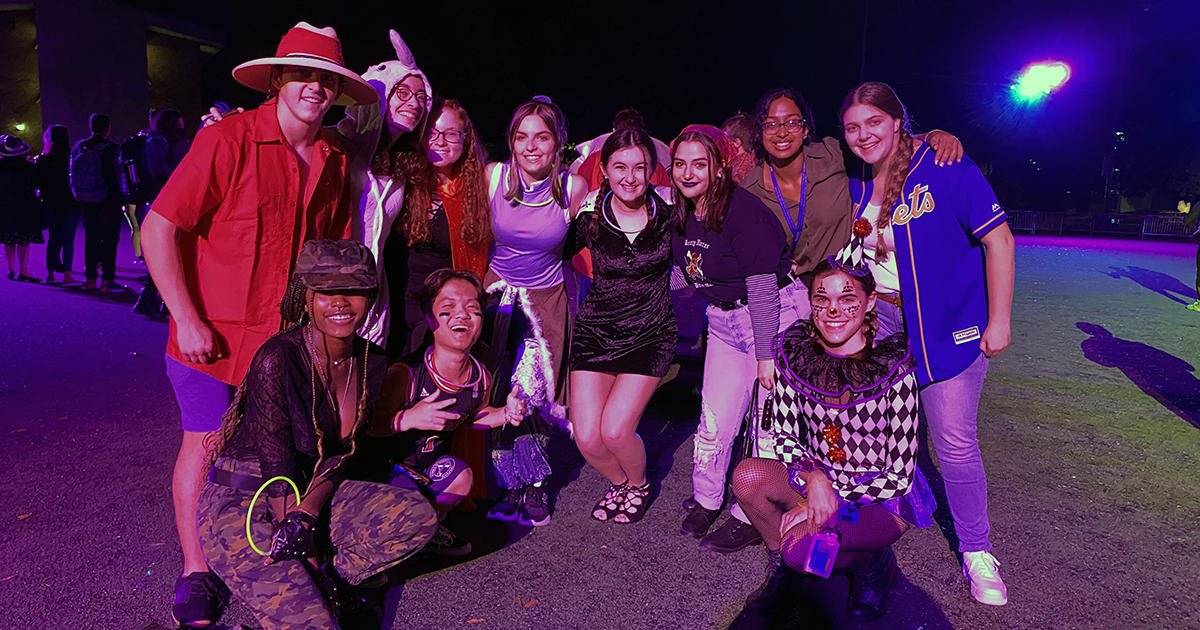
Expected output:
(751, 242)
(938, 222)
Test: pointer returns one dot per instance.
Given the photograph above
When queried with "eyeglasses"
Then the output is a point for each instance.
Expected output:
(451, 136)
(792, 126)
(403, 93)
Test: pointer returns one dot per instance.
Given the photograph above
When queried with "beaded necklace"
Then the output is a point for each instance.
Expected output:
(446, 384)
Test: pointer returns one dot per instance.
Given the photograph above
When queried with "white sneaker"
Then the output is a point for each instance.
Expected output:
(980, 567)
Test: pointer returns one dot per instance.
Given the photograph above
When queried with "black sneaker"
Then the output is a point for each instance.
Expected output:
(199, 598)
(508, 506)
(732, 536)
(535, 509)
(698, 520)
(445, 543)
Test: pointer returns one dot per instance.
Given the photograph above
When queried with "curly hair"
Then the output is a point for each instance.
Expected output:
(404, 158)
(882, 97)
(470, 168)
(763, 107)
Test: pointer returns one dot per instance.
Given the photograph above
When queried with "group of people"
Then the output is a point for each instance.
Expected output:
(96, 180)
(346, 378)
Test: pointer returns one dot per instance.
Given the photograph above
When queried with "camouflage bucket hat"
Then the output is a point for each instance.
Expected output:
(326, 265)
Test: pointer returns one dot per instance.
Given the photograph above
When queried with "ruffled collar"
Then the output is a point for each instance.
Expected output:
(840, 381)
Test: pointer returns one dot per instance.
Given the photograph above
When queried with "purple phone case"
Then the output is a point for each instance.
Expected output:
(822, 552)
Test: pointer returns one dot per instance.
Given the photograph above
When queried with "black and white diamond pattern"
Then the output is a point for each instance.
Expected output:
(880, 435)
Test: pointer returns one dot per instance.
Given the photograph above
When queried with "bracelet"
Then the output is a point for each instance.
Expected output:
(798, 471)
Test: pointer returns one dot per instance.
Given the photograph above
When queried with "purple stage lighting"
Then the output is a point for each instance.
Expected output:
(1040, 79)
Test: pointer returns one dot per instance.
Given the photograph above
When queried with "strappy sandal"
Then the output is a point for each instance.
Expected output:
(637, 501)
(611, 504)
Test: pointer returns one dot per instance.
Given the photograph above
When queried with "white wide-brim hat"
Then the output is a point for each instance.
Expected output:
(308, 47)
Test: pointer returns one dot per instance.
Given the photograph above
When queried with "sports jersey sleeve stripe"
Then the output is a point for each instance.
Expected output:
(912, 257)
(983, 229)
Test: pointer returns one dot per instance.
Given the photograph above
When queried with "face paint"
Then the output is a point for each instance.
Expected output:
(852, 310)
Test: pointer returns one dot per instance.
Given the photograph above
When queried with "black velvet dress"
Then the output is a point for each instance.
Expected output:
(626, 324)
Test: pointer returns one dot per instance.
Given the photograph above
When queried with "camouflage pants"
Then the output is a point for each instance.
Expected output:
(372, 527)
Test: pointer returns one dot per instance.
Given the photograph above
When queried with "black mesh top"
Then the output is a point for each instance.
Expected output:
(278, 431)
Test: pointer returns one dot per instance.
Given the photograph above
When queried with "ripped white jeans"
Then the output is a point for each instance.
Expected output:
(730, 370)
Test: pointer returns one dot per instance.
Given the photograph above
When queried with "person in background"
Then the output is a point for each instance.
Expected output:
(52, 175)
(273, 170)
(956, 269)
(21, 221)
(588, 164)
(162, 149)
(741, 129)
(1192, 213)
(97, 188)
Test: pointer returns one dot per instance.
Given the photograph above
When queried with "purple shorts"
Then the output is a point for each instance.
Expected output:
(441, 474)
(202, 398)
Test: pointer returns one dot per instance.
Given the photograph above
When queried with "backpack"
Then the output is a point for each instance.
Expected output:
(87, 172)
(133, 169)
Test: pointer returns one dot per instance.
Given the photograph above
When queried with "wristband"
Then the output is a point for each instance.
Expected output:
(397, 421)
(798, 472)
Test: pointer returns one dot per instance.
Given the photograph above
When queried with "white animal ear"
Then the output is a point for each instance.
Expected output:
(402, 52)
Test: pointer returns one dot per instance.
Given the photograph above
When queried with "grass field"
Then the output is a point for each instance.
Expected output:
(1088, 423)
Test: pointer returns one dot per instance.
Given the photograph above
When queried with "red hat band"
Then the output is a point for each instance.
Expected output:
(300, 42)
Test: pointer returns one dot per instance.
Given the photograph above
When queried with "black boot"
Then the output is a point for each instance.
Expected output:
(771, 588)
(868, 596)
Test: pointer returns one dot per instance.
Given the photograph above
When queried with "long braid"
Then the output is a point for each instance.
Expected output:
(312, 371)
(291, 310)
(897, 174)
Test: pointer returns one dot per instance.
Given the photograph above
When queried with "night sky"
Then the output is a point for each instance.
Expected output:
(1135, 68)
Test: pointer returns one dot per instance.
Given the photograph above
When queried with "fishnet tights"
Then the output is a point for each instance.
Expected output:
(762, 489)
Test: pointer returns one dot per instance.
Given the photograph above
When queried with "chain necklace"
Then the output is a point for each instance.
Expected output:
(340, 402)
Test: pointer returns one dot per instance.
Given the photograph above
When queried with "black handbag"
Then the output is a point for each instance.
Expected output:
(752, 423)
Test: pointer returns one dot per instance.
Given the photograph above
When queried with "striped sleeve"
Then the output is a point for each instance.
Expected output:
(762, 295)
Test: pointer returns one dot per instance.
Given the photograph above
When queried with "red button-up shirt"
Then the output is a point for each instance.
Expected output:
(244, 212)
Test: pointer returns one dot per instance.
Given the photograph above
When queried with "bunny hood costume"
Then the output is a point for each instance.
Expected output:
(378, 199)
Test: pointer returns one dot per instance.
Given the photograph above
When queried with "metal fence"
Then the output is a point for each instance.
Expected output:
(1110, 224)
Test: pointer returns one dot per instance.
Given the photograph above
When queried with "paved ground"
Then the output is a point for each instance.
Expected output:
(1089, 425)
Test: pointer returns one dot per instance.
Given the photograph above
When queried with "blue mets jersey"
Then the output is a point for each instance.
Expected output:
(938, 222)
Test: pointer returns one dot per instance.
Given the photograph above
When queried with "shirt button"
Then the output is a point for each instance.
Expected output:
(293, 204)
(294, 169)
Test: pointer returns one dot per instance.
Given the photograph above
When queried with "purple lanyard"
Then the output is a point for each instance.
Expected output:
(798, 224)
